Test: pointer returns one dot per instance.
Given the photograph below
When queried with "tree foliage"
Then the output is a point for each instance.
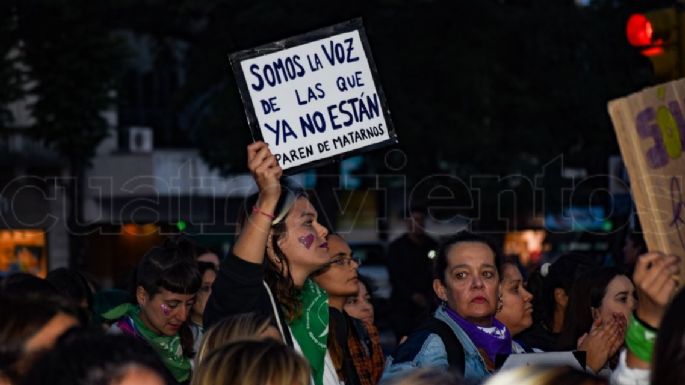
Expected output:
(483, 86)
(473, 86)
(73, 61)
(10, 72)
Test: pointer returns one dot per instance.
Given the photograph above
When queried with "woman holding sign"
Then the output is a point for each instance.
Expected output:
(281, 243)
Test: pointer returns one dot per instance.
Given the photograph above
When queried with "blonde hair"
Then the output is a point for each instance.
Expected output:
(428, 376)
(252, 363)
(244, 326)
(540, 375)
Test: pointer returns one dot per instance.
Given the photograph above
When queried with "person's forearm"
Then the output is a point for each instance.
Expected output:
(251, 243)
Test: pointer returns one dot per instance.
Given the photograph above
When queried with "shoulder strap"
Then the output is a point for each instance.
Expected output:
(285, 331)
(455, 351)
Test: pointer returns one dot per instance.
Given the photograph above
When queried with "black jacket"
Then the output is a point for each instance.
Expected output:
(239, 288)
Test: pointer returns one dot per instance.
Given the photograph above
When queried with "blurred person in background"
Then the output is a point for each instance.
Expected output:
(205, 254)
(360, 306)
(265, 362)
(208, 274)
(29, 326)
(25, 284)
(410, 264)
(550, 299)
(427, 376)
(90, 358)
(246, 326)
(354, 345)
(633, 247)
(74, 287)
(167, 280)
(534, 375)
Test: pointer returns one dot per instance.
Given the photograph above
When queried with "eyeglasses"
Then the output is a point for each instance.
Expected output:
(339, 262)
(344, 261)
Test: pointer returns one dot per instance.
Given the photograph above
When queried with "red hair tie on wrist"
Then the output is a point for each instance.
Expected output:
(255, 210)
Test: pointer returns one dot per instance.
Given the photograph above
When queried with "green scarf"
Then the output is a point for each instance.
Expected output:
(311, 329)
(168, 348)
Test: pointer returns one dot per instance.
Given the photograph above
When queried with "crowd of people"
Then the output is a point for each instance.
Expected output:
(287, 306)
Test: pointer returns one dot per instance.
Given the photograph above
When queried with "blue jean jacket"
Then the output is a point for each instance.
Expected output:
(428, 350)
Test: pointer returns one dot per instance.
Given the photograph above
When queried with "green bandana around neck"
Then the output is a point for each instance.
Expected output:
(168, 348)
(311, 328)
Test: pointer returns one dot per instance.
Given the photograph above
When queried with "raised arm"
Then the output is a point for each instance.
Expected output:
(266, 172)
(655, 285)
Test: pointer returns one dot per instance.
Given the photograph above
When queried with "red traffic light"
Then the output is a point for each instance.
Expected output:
(639, 30)
(640, 33)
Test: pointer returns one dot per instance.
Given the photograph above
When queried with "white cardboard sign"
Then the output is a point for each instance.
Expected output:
(314, 97)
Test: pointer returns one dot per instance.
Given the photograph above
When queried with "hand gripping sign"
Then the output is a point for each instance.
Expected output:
(314, 97)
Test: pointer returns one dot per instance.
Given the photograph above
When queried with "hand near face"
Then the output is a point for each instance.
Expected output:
(265, 170)
(603, 341)
(655, 281)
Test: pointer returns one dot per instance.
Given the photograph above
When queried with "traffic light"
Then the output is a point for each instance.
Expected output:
(658, 34)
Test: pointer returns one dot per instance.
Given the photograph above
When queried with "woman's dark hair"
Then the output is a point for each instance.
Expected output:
(515, 264)
(277, 275)
(669, 350)
(21, 284)
(204, 266)
(92, 358)
(638, 241)
(440, 264)
(171, 267)
(368, 284)
(587, 293)
(20, 319)
(560, 275)
(200, 249)
(72, 285)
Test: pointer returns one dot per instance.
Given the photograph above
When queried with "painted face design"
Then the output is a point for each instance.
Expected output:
(306, 241)
(165, 309)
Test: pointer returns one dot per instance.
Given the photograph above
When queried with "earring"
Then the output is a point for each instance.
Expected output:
(500, 304)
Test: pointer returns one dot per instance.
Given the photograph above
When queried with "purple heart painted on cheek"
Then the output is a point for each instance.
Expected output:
(306, 241)
(165, 309)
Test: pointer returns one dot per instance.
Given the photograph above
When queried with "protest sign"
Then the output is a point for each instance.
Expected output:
(574, 359)
(650, 127)
(314, 97)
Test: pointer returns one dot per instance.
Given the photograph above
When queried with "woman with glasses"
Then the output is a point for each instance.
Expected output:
(354, 345)
(208, 273)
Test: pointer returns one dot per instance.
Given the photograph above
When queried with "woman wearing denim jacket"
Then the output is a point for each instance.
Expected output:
(467, 283)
